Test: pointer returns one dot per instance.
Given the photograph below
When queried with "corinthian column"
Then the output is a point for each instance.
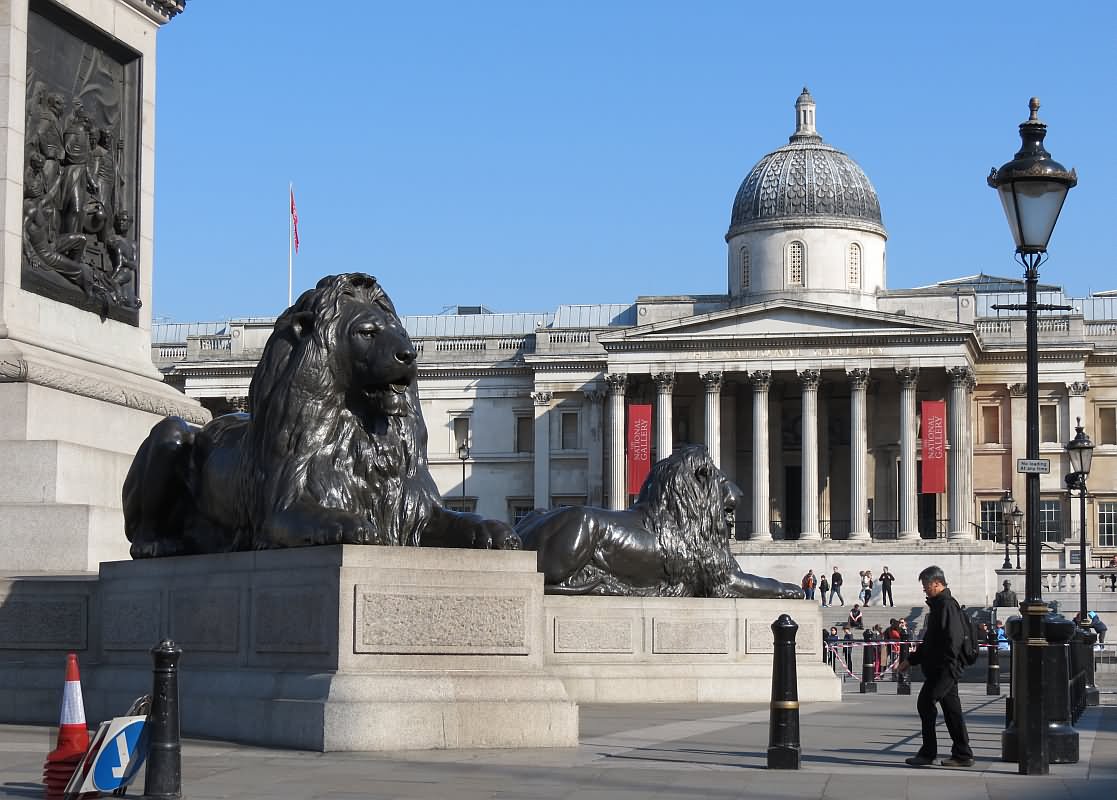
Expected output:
(542, 454)
(618, 494)
(909, 523)
(712, 381)
(960, 492)
(761, 383)
(858, 454)
(664, 385)
(810, 381)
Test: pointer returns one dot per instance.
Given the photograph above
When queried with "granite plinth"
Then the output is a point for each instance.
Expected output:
(323, 648)
(679, 650)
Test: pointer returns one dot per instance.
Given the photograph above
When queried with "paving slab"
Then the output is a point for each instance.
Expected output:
(854, 749)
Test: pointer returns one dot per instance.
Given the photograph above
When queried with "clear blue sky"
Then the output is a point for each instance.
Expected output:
(523, 155)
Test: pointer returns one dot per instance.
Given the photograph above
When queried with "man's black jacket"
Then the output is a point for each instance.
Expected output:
(942, 638)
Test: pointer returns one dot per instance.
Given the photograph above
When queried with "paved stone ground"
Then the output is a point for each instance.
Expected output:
(854, 749)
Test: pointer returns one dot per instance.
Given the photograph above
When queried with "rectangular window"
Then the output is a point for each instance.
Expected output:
(570, 430)
(464, 504)
(518, 509)
(1107, 425)
(991, 527)
(1048, 423)
(1051, 521)
(525, 434)
(461, 433)
(680, 425)
(1107, 524)
(990, 425)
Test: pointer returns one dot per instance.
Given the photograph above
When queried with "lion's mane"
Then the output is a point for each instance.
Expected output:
(304, 426)
(686, 512)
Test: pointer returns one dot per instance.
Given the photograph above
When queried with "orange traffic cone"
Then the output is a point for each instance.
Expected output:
(73, 737)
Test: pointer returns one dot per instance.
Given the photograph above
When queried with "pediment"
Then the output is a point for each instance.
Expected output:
(786, 319)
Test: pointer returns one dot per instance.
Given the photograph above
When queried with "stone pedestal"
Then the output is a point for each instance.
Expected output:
(325, 648)
(679, 650)
(78, 392)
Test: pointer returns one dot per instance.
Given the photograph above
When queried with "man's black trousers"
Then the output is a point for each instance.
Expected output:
(886, 594)
(940, 687)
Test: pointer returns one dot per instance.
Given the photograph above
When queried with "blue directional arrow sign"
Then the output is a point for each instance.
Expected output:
(112, 767)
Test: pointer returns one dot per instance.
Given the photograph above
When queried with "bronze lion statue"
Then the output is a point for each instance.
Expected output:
(334, 451)
(673, 542)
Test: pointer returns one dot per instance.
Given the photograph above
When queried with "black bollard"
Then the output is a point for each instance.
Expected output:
(868, 682)
(163, 780)
(1010, 736)
(1089, 639)
(903, 676)
(993, 673)
(1062, 738)
(783, 725)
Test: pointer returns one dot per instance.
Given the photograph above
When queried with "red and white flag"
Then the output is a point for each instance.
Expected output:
(294, 220)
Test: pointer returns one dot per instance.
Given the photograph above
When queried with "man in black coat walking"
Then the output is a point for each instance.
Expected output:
(940, 656)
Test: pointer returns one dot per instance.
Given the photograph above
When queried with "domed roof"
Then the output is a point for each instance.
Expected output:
(806, 182)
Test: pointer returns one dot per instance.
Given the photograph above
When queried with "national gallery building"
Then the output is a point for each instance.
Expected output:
(806, 381)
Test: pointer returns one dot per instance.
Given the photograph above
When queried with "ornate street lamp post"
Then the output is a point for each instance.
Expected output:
(1080, 453)
(463, 454)
(1032, 188)
(1007, 504)
(1017, 520)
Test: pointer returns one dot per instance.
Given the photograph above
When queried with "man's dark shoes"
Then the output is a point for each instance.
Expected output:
(919, 761)
(955, 761)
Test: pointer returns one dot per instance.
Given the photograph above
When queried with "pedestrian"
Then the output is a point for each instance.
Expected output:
(848, 638)
(940, 656)
(866, 585)
(823, 588)
(893, 634)
(836, 587)
(905, 634)
(831, 644)
(886, 578)
(856, 620)
(808, 584)
(1099, 627)
(880, 651)
(1113, 575)
(1002, 636)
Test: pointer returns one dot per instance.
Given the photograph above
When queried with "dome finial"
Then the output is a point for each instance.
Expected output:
(804, 119)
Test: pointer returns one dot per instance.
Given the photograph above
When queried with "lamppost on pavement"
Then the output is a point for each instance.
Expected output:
(463, 454)
(1007, 504)
(1032, 187)
(1017, 521)
(1080, 453)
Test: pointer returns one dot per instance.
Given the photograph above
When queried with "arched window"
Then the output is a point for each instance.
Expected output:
(853, 270)
(796, 263)
(745, 268)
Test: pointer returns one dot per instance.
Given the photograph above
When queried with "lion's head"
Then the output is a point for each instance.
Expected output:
(335, 408)
(690, 505)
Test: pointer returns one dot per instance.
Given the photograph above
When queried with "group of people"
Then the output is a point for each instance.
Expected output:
(829, 589)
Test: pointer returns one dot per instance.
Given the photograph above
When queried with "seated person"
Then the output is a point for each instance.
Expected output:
(1099, 627)
(855, 618)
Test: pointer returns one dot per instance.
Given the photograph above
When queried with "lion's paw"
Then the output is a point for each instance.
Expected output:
(789, 591)
(495, 535)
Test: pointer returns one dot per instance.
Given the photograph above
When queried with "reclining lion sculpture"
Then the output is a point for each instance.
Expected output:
(674, 542)
(334, 451)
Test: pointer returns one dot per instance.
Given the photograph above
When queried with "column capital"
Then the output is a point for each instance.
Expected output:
(1078, 388)
(594, 395)
(712, 380)
(858, 378)
(617, 382)
(962, 377)
(761, 380)
(542, 398)
(908, 377)
(810, 379)
(1018, 390)
(664, 382)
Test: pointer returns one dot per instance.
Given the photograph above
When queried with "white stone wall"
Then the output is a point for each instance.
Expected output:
(825, 274)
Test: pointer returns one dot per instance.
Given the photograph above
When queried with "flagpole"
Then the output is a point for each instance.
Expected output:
(290, 242)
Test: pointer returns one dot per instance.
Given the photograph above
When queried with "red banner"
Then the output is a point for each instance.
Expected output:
(639, 445)
(934, 446)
